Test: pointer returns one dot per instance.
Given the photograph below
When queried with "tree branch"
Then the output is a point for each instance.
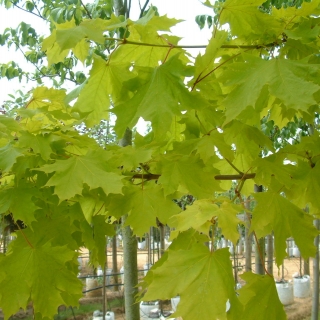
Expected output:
(86, 9)
(244, 176)
(37, 15)
(143, 8)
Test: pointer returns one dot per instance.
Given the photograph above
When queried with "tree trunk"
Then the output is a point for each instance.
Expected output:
(270, 253)
(132, 309)
(260, 246)
(306, 266)
(115, 262)
(315, 299)
(259, 256)
(248, 239)
(130, 253)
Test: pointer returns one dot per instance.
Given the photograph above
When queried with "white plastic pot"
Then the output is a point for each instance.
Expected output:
(296, 252)
(285, 292)
(141, 245)
(122, 274)
(92, 283)
(146, 307)
(174, 303)
(301, 286)
(109, 315)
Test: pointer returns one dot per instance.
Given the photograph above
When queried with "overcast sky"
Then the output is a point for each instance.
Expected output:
(179, 9)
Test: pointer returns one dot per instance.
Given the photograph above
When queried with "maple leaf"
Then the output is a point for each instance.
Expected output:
(192, 274)
(9, 125)
(106, 82)
(286, 220)
(69, 34)
(258, 294)
(162, 96)
(94, 238)
(245, 19)
(8, 156)
(39, 143)
(176, 171)
(287, 80)
(37, 271)
(202, 214)
(70, 175)
(146, 205)
(19, 200)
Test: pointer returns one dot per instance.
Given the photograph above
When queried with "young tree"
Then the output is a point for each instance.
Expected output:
(206, 117)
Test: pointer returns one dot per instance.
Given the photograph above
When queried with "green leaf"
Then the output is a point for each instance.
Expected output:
(192, 274)
(70, 175)
(19, 200)
(286, 220)
(176, 172)
(8, 156)
(38, 272)
(258, 294)
(245, 19)
(286, 79)
(204, 213)
(144, 212)
(69, 35)
(38, 143)
(81, 50)
(160, 98)
(105, 83)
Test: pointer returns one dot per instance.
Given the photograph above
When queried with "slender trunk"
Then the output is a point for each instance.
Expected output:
(132, 310)
(248, 239)
(129, 257)
(148, 244)
(270, 254)
(104, 292)
(315, 299)
(162, 244)
(306, 266)
(115, 262)
(260, 246)
(259, 256)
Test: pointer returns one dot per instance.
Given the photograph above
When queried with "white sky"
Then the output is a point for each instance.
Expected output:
(179, 9)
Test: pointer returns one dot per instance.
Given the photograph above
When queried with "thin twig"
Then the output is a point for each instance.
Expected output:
(260, 255)
(202, 46)
(25, 237)
(86, 9)
(39, 16)
(233, 166)
(143, 8)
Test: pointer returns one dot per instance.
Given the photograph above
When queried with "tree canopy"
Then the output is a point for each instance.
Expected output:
(236, 112)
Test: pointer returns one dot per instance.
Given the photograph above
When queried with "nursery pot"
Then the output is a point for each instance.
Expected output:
(174, 303)
(122, 274)
(285, 292)
(109, 315)
(296, 252)
(92, 283)
(301, 286)
(146, 307)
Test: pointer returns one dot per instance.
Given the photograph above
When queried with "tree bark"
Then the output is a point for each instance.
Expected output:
(315, 298)
(115, 262)
(270, 254)
(260, 246)
(248, 239)
(132, 309)
(259, 256)
(130, 253)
